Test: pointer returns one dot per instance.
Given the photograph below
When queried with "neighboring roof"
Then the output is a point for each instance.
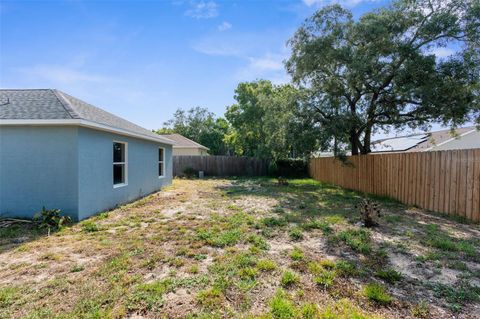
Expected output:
(181, 141)
(50, 106)
(423, 141)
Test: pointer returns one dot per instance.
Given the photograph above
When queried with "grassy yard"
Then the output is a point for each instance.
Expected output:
(244, 248)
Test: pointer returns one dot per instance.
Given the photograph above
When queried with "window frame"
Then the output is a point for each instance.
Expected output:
(161, 162)
(125, 164)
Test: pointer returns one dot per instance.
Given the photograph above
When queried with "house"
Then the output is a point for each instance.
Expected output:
(60, 152)
(465, 138)
(185, 146)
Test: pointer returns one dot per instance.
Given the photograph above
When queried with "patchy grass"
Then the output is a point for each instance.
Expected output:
(377, 293)
(244, 248)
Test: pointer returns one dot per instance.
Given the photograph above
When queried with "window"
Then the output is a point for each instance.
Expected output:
(119, 164)
(161, 162)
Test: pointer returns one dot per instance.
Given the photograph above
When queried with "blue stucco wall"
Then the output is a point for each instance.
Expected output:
(96, 191)
(38, 167)
(71, 169)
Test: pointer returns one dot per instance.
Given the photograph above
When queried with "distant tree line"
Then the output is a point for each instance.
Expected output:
(352, 78)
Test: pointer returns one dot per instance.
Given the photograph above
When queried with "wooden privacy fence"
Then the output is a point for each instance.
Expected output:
(221, 165)
(441, 181)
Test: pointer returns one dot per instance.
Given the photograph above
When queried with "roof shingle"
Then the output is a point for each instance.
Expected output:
(50, 104)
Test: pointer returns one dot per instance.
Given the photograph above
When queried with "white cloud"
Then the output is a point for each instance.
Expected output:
(347, 3)
(60, 75)
(202, 9)
(224, 26)
(259, 55)
(267, 63)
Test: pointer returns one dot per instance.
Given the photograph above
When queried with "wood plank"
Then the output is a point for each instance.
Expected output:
(476, 186)
(469, 187)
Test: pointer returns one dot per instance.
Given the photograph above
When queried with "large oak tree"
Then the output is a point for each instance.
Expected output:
(380, 71)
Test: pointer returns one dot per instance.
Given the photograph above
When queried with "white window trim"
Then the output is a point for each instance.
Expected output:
(125, 183)
(163, 163)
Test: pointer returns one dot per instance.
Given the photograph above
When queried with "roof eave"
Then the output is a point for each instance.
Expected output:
(83, 123)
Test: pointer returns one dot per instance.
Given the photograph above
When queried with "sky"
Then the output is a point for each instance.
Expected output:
(142, 60)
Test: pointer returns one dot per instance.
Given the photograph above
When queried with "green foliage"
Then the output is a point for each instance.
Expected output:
(211, 298)
(290, 168)
(149, 296)
(189, 172)
(389, 275)
(375, 292)
(217, 238)
(325, 278)
(201, 126)
(421, 310)
(295, 233)
(345, 268)
(377, 72)
(343, 309)
(359, 240)
(89, 226)
(274, 222)
(318, 224)
(266, 265)
(457, 296)
(288, 279)
(51, 219)
(281, 307)
(258, 241)
(267, 122)
(296, 254)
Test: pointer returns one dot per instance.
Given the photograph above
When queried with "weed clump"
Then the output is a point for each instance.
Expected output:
(376, 292)
(289, 279)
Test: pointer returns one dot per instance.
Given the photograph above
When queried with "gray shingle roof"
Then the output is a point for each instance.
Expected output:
(183, 142)
(50, 104)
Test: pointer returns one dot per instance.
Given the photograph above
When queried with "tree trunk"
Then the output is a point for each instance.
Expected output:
(353, 141)
(367, 140)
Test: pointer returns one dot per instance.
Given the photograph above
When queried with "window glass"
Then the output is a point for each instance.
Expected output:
(119, 163)
(161, 162)
(118, 173)
(118, 152)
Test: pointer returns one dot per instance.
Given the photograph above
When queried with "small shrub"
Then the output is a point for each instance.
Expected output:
(369, 212)
(289, 278)
(389, 275)
(51, 219)
(189, 172)
(376, 292)
(296, 234)
(296, 254)
(266, 265)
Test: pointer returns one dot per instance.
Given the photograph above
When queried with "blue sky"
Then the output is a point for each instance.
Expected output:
(144, 59)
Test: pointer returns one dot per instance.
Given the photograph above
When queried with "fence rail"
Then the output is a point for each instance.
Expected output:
(221, 165)
(441, 181)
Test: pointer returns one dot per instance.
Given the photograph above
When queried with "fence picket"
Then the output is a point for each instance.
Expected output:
(444, 181)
